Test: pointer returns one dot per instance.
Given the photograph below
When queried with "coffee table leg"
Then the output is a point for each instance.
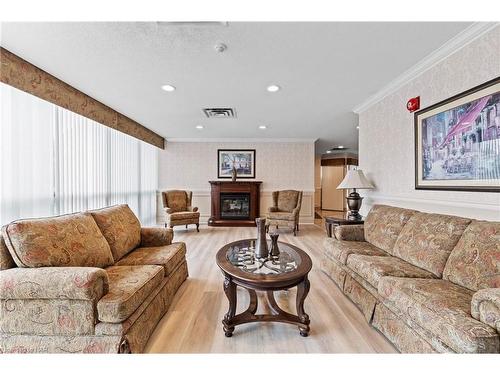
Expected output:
(302, 291)
(252, 306)
(230, 290)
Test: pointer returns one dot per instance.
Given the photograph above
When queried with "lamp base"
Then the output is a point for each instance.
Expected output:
(354, 203)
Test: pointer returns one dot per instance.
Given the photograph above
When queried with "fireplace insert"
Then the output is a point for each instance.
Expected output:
(235, 206)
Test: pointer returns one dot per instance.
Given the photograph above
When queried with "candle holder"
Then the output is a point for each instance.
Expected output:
(275, 251)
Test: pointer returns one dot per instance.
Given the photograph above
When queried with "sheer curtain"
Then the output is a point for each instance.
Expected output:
(26, 156)
(53, 161)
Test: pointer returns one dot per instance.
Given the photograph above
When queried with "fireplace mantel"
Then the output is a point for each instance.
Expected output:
(219, 186)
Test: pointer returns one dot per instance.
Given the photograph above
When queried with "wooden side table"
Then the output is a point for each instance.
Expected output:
(331, 221)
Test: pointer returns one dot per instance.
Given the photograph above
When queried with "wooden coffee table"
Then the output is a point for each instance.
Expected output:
(240, 268)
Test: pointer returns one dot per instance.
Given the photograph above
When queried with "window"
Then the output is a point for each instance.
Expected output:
(53, 161)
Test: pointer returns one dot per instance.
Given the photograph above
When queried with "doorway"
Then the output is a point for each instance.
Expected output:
(331, 198)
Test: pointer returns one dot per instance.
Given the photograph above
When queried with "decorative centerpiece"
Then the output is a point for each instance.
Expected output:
(275, 251)
(261, 249)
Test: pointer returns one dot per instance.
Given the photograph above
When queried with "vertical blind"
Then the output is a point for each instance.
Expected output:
(53, 161)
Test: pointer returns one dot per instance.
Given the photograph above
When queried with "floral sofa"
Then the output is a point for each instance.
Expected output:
(428, 282)
(89, 282)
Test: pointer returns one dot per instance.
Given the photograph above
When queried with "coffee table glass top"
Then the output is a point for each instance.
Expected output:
(242, 255)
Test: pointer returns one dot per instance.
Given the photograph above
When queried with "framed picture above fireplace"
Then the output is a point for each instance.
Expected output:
(457, 142)
(242, 160)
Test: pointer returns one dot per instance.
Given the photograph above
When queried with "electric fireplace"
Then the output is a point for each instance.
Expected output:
(234, 203)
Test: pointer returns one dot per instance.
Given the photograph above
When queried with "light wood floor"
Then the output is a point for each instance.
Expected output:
(193, 322)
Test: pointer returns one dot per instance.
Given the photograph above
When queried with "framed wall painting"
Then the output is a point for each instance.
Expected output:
(457, 142)
(243, 160)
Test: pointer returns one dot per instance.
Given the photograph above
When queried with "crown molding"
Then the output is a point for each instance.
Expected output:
(456, 43)
(241, 140)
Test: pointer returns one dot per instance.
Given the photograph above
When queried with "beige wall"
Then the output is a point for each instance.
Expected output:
(283, 165)
(386, 140)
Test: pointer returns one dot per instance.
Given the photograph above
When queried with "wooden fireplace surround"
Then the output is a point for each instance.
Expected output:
(250, 187)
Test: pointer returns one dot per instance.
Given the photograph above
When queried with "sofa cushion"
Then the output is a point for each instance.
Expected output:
(121, 228)
(373, 268)
(340, 250)
(475, 261)
(183, 215)
(129, 286)
(287, 200)
(61, 241)
(278, 215)
(383, 225)
(6, 260)
(427, 240)
(443, 309)
(167, 256)
(349, 232)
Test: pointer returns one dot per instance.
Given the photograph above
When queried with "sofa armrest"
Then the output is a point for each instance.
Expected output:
(485, 306)
(192, 209)
(156, 236)
(350, 232)
(273, 209)
(168, 210)
(63, 283)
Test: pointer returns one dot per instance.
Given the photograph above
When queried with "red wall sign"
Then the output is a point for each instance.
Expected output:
(413, 104)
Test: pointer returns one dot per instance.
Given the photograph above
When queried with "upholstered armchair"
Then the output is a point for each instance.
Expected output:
(285, 210)
(178, 209)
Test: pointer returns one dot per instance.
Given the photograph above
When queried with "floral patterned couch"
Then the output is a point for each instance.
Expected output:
(428, 282)
(90, 282)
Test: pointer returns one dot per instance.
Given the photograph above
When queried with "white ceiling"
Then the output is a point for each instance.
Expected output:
(324, 69)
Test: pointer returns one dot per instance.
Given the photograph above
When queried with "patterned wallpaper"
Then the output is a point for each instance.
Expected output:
(190, 165)
(386, 143)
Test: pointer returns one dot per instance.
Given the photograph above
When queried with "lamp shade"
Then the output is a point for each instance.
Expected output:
(355, 179)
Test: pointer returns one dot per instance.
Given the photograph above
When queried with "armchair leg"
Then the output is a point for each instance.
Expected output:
(197, 227)
(186, 226)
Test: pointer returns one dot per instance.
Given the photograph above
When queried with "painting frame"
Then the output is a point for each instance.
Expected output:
(466, 101)
(224, 171)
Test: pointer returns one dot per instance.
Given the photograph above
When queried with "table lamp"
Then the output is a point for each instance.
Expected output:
(354, 179)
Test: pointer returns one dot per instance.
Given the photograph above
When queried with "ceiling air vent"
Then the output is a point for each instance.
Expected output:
(219, 112)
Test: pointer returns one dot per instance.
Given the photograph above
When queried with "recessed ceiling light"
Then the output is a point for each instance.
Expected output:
(168, 88)
(340, 146)
(199, 126)
(328, 151)
(273, 88)
(262, 127)
(357, 127)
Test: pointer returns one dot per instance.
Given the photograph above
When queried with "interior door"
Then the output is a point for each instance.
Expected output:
(331, 198)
